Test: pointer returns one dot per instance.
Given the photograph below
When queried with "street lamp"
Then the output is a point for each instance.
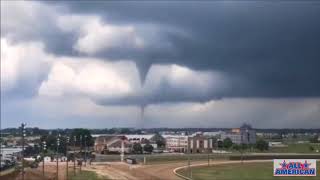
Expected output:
(85, 150)
(67, 143)
(57, 157)
(74, 154)
(80, 151)
(23, 128)
(44, 147)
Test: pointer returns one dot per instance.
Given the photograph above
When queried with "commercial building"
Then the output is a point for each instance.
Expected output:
(200, 144)
(144, 139)
(243, 135)
(176, 143)
(111, 144)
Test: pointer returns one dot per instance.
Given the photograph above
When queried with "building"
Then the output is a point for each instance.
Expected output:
(216, 134)
(276, 144)
(110, 144)
(176, 143)
(116, 146)
(243, 135)
(63, 159)
(47, 159)
(113, 143)
(200, 144)
(144, 139)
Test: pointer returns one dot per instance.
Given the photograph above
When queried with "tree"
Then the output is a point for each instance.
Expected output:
(311, 148)
(220, 144)
(80, 132)
(314, 139)
(244, 147)
(51, 142)
(236, 147)
(148, 148)
(137, 148)
(227, 143)
(31, 151)
(262, 145)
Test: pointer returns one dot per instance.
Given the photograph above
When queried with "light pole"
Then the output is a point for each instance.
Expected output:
(57, 157)
(122, 149)
(188, 153)
(44, 147)
(74, 154)
(80, 151)
(23, 127)
(85, 150)
(67, 142)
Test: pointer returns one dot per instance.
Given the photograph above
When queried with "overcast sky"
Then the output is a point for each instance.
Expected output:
(188, 64)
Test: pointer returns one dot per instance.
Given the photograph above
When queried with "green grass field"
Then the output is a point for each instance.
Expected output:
(183, 158)
(246, 171)
(87, 175)
(297, 148)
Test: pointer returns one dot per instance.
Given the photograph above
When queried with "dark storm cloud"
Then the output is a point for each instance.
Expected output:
(268, 49)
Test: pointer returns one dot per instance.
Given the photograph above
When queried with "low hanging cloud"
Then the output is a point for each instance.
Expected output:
(118, 83)
(96, 37)
(23, 64)
(173, 83)
(264, 45)
(107, 82)
(90, 77)
(21, 20)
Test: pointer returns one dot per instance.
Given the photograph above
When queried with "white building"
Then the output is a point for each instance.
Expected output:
(47, 159)
(176, 143)
(276, 144)
(30, 159)
(63, 159)
(213, 133)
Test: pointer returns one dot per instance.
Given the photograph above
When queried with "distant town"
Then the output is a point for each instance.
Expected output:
(84, 146)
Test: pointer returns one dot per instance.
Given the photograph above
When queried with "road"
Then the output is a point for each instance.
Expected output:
(123, 171)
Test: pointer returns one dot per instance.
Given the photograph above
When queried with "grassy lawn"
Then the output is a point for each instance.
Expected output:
(297, 148)
(183, 158)
(87, 175)
(239, 171)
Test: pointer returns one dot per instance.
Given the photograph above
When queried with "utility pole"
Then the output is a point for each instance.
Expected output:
(67, 143)
(44, 147)
(189, 162)
(85, 150)
(58, 144)
(122, 149)
(23, 128)
(80, 151)
(74, 154)
(188, 153)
